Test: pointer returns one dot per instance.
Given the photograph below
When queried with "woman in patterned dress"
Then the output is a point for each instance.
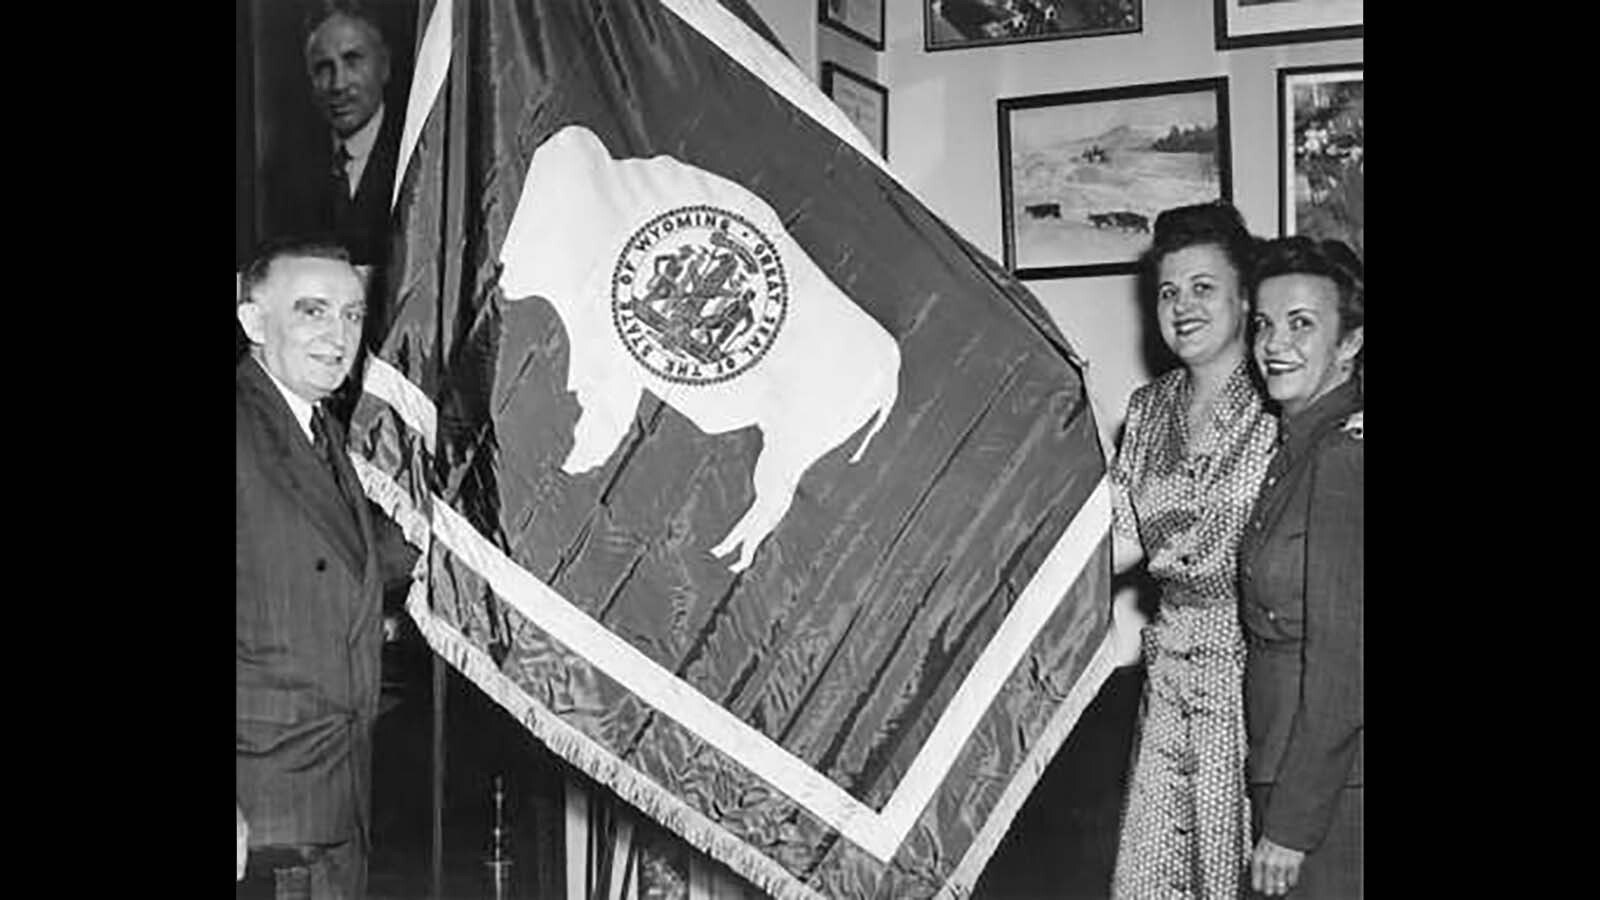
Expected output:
(1195, 447)
(1301, 576)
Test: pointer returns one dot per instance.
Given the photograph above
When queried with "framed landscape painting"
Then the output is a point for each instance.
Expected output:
(1322, 153)
(865, 101)
(1084, 174)
(860, 19)
(956, 24)
(1253, 23)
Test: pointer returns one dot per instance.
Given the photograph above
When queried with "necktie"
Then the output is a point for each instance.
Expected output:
(341, 170)
(341, 204)
(328, 449)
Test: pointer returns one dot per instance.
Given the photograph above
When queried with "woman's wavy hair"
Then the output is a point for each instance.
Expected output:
(1332, 259)
(1329, 258)
(1217, 223)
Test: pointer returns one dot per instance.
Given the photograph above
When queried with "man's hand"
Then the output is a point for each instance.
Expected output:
(241, 837)
(1274, 869)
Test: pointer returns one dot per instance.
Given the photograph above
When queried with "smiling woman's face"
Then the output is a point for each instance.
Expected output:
(1199, 305)
(1298, 345)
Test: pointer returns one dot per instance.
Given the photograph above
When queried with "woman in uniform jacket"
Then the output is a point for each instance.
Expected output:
(1301, 575)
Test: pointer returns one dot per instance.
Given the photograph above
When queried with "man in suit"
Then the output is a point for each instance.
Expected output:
(308, 583)
(341, 180)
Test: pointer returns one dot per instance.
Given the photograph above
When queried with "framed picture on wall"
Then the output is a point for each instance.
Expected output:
(1083, 174)
(861, 19)
(1322, 146)
(957, 24)
(865, 101)
(1253, 23)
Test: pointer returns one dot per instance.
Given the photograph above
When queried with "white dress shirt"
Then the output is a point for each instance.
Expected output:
(359, 146)
(297, 404)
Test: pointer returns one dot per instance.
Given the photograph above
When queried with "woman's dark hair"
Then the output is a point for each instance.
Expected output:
(1217, 223)
(1333, 260)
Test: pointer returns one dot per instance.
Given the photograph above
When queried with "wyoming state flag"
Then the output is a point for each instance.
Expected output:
(744, 483)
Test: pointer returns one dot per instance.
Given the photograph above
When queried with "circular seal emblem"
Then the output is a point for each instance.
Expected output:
(699, 295)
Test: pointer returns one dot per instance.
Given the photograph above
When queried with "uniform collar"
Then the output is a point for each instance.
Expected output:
(1300, 431)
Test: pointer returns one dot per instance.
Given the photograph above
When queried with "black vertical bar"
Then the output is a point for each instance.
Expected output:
(437, 811)
(244, 137)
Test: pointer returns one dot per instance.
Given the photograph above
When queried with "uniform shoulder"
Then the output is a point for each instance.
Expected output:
(1353, 425)
(1341, 448)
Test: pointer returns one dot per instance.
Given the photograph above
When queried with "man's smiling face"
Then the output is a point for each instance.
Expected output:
(349, 67)
(305, 319)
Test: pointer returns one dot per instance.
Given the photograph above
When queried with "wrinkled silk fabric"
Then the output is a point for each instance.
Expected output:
(868, 604)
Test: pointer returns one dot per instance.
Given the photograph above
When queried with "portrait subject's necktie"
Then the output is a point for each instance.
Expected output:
(341, 185)
(341, 169)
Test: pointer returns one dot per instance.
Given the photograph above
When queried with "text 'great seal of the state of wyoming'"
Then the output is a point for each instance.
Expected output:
(671, 279)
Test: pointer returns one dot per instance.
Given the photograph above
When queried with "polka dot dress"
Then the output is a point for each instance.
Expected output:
(1186, 825)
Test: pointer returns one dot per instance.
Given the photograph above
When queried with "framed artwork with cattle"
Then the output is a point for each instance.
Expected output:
(957, 24)
(865, 101)
(1084, 173)
(1256, 23)
(860, 19)
(1322, 145)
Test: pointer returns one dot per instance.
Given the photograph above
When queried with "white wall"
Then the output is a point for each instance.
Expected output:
(945, 147)
(795, 24)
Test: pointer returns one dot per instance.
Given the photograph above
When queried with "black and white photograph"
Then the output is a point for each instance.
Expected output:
(1256, 23)
(1084, 173)
(957, 24)
(865, 101)
(860, 19)
(648, 486)
(1322, 153)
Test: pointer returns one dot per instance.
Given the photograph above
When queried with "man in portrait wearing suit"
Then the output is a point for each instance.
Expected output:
(309, 568)
(340, 182)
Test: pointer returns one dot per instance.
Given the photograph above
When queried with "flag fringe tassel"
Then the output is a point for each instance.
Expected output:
(596, 762)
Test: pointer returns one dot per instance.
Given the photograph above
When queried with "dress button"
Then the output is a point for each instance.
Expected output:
(1272, 615)
(322, 565)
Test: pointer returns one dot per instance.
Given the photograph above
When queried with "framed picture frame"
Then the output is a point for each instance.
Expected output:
(860, 19)
(1083, 174)
(959, 24)
(863, 100)
(1255, 23)
(1322, 153)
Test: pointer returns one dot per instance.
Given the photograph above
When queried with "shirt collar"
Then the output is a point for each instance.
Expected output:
(359, 145)
(300, 406)
(1238, 397)
(1299, 431)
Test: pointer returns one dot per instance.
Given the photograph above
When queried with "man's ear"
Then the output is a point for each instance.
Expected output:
(250, 316)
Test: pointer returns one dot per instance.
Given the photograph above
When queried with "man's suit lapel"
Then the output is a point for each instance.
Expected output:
(299, 471)
(377, 179)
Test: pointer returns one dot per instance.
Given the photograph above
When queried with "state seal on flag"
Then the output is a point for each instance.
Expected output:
(699, 295)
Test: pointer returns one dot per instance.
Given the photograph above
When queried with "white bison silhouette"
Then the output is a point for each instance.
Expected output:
(589, 233)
